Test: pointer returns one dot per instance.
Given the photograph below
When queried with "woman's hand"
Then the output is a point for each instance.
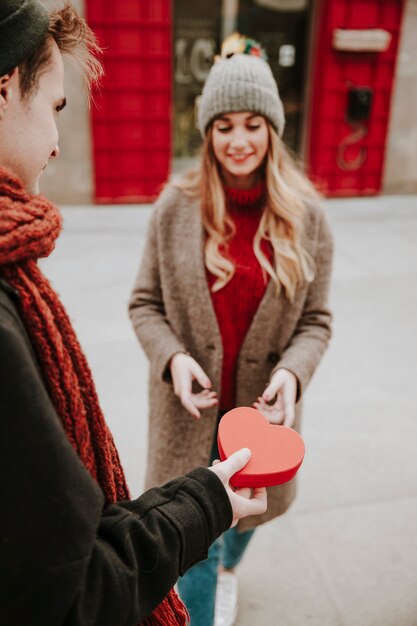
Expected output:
(185, 369)
(282, 387)
(244, 501)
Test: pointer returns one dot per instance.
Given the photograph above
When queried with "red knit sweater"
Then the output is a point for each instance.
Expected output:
(236, 303)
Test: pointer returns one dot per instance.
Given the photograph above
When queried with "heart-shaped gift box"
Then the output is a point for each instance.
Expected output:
(277, 451)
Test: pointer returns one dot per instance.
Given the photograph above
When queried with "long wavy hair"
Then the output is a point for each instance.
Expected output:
(287, 191)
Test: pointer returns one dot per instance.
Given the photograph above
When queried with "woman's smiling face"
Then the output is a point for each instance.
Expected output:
(240, 143)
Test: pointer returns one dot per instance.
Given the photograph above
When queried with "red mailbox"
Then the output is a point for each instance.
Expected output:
(131, 118)
(352, 79)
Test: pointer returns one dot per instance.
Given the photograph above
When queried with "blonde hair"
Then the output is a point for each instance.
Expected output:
(287, 191)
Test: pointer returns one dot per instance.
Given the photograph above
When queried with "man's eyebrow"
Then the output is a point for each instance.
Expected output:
(61, 104)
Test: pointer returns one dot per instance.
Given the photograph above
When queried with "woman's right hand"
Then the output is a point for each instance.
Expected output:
(185, 369)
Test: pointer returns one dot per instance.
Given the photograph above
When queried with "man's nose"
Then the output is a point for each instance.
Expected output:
(55, 152)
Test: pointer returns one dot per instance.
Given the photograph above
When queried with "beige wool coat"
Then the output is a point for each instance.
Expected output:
(171, 311)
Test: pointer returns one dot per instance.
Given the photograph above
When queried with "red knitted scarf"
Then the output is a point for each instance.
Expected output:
(29, 226)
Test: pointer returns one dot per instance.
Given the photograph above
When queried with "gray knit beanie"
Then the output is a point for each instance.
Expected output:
(242, 82)
(23, 26)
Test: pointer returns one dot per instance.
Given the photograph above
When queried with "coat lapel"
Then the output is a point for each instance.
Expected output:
(204, 318)
(272, 306)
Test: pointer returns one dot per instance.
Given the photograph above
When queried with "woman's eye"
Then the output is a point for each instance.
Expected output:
(223, 129)
(254, 126)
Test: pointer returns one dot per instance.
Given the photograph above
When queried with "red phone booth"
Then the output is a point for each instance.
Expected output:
(352, 78)
(131, 119)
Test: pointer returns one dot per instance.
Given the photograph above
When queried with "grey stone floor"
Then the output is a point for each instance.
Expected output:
(346, 553)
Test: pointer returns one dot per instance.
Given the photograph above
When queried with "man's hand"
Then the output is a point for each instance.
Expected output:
(185, 369)
(244, 501)
(283, 387)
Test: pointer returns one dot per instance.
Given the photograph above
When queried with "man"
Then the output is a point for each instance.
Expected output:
(74, 549)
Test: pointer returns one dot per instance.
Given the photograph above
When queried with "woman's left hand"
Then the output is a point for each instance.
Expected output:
(282, 387)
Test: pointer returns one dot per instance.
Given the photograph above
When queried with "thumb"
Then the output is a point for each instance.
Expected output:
(289, 405)
(236, 462)
(273, 387)
(200, 375)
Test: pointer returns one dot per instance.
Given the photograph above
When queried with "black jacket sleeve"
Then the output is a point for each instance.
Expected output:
(66, 558)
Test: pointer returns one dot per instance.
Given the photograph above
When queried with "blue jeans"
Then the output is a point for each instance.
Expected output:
(197, 587)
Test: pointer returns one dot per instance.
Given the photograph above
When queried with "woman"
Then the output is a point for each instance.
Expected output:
(230, 303)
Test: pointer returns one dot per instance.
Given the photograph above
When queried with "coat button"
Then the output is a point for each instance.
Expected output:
(273, 358)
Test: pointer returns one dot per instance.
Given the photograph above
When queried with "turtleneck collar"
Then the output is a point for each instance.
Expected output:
(238, 199)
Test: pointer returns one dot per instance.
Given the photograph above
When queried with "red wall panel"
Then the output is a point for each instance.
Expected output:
(333, 144)
(131, 116)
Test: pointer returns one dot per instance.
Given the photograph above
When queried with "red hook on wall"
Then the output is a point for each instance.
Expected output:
(359, 131)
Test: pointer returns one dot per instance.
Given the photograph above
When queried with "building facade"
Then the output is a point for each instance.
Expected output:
(346, 70)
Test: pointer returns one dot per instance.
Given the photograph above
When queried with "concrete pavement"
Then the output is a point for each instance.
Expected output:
(346, 553)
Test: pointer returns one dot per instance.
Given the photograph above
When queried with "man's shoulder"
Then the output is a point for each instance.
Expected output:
(12, 330)
(8, 299)
(15, 343)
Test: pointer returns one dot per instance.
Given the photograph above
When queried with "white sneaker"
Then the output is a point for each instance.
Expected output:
(226, 599)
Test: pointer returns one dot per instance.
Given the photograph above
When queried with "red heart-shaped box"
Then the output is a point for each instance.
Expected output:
(277, 451)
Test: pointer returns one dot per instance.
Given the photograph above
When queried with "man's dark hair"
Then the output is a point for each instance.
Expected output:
(73, 36)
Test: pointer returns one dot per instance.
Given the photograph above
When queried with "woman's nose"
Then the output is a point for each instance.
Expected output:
(55, 152)
(238, 139)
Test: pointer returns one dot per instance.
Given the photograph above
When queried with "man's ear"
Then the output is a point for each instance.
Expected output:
(5, 91)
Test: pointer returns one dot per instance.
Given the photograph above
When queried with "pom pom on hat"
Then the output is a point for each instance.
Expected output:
(241, 80)
(239, 44)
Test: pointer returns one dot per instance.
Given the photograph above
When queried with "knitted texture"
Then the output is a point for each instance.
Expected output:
(23, 27)
(29, 226)
(241, 83)
(236, 303)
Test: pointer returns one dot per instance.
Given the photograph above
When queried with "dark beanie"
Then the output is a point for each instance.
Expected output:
(23, 26)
